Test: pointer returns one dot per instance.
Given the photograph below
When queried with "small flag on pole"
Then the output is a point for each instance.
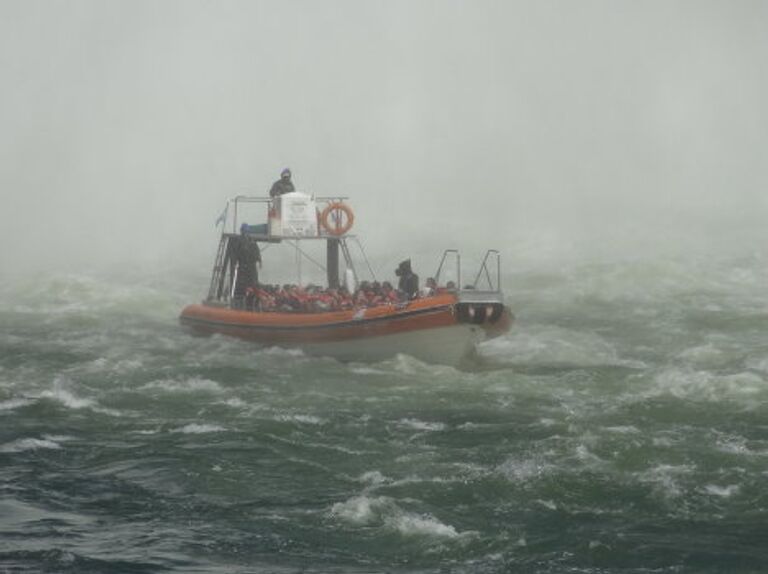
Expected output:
(223, 217)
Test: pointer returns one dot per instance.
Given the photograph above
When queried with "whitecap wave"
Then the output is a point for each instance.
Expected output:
(67, 398)
(12, 404)
(416, 424)
(383, 512)
(547, 345)
(700, 385)
(524, 469)
(26, 444)
(722, 491)
(415, 525)
(195, 428)
(666, 478)
(300, 418)
(191, 385)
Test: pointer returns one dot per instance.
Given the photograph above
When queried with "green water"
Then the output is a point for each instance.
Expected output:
(621, 426)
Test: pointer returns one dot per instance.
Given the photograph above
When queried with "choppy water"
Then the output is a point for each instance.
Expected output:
(621, 426)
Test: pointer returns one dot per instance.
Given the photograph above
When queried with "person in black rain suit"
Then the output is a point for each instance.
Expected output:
(409, 281)
(283, 185)
(246, 255)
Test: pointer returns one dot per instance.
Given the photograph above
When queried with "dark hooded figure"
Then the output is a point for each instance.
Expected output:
(245, 254)
(409, 281)
(283, 185)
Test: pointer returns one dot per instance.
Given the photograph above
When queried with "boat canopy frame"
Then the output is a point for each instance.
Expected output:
(224, 276)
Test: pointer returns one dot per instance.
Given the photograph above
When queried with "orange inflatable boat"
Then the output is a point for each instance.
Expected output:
(440, 324)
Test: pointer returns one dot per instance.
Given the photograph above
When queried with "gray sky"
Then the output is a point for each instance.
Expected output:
(542, 128)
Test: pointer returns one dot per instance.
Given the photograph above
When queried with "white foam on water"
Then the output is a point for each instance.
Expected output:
(58, 437)
(123, 366)
(26, 444)
(666, 478)
(12, 404)
(734, 445)
(707, 386)
(195, 428)
(191, 385)
(373, 478)
(367, 371)
(66, 398)
(623, 429)
(235, 403)
(722, 491)
(300, 418)
(523, 470)
(282, 352)
(758, 364)
(384, 512)
(360, 509)
(703, 355)
(550, 504)
(551, 345)
(414, 525)
(416, 424)
(72, 401)
(587, 457)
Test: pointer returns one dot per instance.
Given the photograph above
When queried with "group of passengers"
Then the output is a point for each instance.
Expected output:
(254, 296)
(314, 299)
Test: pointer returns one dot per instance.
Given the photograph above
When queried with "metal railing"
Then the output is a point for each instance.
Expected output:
(487, 275)
(457, 259)
(239, 200)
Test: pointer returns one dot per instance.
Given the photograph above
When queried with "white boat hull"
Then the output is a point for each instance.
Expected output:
(442, 345)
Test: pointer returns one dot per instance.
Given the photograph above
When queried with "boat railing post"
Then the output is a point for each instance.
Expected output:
(484, 267)
(498, 271)
(442, 262)
(234, 284)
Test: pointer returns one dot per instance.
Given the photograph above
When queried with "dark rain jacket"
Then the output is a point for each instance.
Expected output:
(246, 254)
(409, 284)
(281, 187)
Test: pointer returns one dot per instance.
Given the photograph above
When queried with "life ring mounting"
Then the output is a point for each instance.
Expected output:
(337, 218)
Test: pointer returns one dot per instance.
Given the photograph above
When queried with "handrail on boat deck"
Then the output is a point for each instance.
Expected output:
(458, 266)
(484, 267)
(238, 199)
(482, 272)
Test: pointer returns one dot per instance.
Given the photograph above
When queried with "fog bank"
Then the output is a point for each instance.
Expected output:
(546, 129)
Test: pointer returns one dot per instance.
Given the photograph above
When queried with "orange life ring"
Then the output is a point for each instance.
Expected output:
(337, 227)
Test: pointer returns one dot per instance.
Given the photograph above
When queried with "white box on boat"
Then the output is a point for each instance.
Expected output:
(298, 215)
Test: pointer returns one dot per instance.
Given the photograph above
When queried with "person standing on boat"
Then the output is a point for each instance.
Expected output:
(283, 185)
(246, 255)
(409, 281)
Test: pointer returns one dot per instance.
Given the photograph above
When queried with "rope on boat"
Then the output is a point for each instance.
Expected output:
(300, 250)
(365, 257)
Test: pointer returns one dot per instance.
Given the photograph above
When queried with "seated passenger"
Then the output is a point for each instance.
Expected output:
(389, 294)
(430, 288)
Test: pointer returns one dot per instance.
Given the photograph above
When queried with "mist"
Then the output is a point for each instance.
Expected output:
(548, 130)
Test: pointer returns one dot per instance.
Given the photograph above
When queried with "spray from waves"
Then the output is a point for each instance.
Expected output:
(708, 386)
(555, 346)
(384, 513)
(62, 395)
